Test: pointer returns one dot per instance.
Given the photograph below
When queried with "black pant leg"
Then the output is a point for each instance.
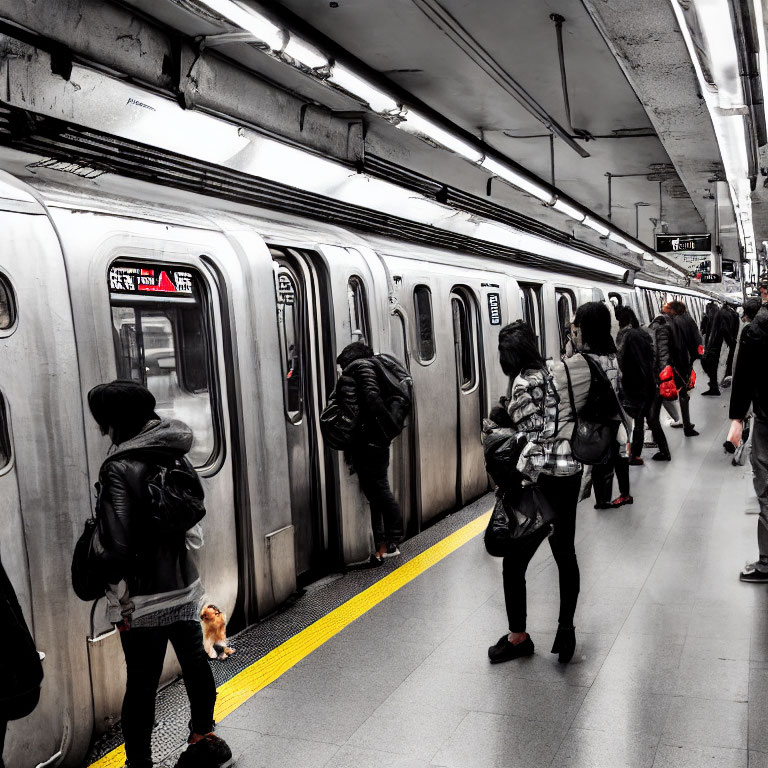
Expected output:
(622, 474)
(729, 362)
(371, 465)
(638, 434)
(654, 422)
(514, 567)
(563, 494)
(187, 640)
(144, 650)
(602, 478)
(685, 407)
(3, 728)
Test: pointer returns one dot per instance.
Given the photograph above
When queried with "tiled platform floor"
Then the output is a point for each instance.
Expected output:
(671, 669)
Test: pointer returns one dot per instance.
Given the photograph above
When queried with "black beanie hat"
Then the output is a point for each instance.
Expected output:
(125, 406)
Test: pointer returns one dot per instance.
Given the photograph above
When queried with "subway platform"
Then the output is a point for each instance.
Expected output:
(387, 668)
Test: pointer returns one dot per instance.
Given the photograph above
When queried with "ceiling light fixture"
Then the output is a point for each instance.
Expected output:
(569, 210)
(249, 20)
(416, 123)
(304, 53)
(516, 179)
(362, 89)
(602, 230)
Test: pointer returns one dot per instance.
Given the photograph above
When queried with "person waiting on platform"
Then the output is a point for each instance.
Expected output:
(155, 590)
(686, 347)
(750, 390)
(547, 461)
(638, 382)
(724, 327)
(369, 453)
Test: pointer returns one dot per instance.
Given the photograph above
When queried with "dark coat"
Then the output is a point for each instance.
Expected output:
(661, 333)
(375, 419)
(750, 383)
(686, 342)
(636, 363)
(151, 562)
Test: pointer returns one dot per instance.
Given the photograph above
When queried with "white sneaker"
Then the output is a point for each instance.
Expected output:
(670, 422)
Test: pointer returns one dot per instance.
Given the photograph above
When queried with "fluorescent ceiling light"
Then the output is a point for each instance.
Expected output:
(249, 20)
(617, 238)
(634, 248)
(349, 81)
(415, 123)
(569, 210)
(597, 226)
(513, 177)
(304, 53)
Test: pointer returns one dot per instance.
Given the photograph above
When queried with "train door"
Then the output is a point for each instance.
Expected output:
(403, 445)
(300, 335)
(471, 478)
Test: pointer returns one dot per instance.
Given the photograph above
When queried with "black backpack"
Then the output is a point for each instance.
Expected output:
(396, 391)
(20, 667)
(176, 497)
(338, 421)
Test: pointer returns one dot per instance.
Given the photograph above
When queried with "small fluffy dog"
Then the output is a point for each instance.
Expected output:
(215, 633)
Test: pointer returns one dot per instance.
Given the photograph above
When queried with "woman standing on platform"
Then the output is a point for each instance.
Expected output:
(531, 407)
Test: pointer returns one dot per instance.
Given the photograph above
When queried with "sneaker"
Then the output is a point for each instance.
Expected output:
(726, 382)
(753, 575)
(375, 561)
(392, 551)
(209, 752)
(674, 424)
(506, 651)
(711, 393)
(636, 461)
(691, 432)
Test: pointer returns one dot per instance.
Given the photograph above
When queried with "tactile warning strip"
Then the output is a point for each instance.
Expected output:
(268, 649)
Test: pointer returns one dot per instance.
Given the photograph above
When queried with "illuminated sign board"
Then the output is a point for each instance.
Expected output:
(684, 243)
(150, 279)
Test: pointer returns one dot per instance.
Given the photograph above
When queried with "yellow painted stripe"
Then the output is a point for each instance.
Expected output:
(267, 669)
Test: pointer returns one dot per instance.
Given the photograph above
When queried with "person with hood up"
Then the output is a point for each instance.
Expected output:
(155, 591)
(531, 408)
(369, 454)
(638, 382)
(660, 329)
(750, 390)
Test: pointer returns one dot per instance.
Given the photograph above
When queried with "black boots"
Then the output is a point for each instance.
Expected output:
(565, 644)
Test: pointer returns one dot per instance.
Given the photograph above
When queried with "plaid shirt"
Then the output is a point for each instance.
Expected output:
(534, 406)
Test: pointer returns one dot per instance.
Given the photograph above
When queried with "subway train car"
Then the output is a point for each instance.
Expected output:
(233, 317)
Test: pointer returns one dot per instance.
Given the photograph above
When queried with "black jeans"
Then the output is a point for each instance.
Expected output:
(371, 464)
(602, 475)
(685, 407)
(653, 416)
(563, 494)
(710, 364)
(144, 650)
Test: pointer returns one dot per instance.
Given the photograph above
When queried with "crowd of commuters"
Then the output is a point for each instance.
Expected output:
(647, 368)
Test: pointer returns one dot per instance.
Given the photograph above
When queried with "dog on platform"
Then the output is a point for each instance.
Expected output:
(214, 624)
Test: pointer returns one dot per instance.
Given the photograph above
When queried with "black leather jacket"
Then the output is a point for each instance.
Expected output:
(151, 562)
(375, 419)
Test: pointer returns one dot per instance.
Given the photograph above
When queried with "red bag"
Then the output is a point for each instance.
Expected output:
(667, 388)
(701, 350)
(692, 380)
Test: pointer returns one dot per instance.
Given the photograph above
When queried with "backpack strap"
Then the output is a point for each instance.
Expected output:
(570, 396)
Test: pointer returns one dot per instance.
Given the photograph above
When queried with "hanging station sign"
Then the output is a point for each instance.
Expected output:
(684, 243)
(693, 253)
(151, 279)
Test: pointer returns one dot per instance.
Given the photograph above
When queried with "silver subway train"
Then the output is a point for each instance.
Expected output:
(233, 317)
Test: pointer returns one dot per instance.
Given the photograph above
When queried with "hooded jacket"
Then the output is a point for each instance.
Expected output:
(155, 565)
(636, 363)
(375, 419)
(750, 384)
(661, 335)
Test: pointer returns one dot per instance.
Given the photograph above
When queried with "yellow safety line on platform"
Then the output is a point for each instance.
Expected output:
(267, 669)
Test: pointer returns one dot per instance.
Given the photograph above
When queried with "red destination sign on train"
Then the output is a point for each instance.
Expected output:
(166, 281)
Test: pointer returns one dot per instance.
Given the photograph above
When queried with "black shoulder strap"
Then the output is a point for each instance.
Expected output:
(570, 395)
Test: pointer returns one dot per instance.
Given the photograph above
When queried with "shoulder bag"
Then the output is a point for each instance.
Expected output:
(517, 514)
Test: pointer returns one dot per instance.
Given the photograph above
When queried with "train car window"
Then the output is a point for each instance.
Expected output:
(289, 325)
(358, 310)
(530, 305)
(5, 435)
(422, 298)
(7, 305)
(462, 334)
(566, 309)
(162, 331)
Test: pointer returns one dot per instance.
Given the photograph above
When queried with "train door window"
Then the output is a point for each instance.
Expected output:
(358, 310)
(289, 324)
(422, 298)
(566, 309)
(530, 305)
(5, 435)
(163, 333)
(7, 305)
(464, 340)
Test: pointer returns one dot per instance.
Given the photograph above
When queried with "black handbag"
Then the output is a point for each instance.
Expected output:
(593, 437)
(517, 514)
(87, 581)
